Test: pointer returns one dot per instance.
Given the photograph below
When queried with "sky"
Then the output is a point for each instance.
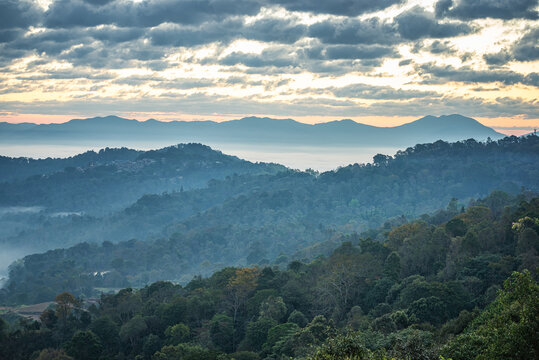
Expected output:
(383, 62)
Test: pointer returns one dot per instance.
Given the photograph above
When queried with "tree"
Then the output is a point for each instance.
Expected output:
(108, 333)
(297, 318)
(273, 308)
(507, 328)
(239, 287)
(178, 333)
(84, 345)
(392, 266)
(342, 347)
(185, 352)
(151, 344)
(132, 331)
(65, 303)
(222, 332)
(257, 333)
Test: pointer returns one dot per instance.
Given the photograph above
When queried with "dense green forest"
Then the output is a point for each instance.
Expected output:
(99, 183)
(263, 219)
(460, 283)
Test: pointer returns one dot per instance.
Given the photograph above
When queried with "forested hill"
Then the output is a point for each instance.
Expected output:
(428, 288)
(292, 209)
(22, 167)
(99, 183)
(267, 219)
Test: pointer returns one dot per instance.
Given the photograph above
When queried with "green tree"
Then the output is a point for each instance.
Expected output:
(178, 333)
(257, 333)
(132, 331)
(342, 347)
(392, 266)
(274, 308)
(507, 328)
(84, 345)
(108, 333)
(222, 332)
(297, 318)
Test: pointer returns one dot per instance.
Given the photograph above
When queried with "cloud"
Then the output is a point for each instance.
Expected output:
(439, 74)
(364, 91)
(500, 58)
(115, 35)
(8, 35)
(439, 47)
(416, 23)
(90, 39)
(76, 13)
(204, 104)
(333, 52)
(337, 7)
(98, 2)
(354, 31)
(477, 9)
(285, 31)
(272, 57)
(525, 49)
(18, 14)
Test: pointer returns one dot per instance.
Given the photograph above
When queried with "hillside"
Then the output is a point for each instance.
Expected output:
(99, 183)
(267, 219)
(443, 285)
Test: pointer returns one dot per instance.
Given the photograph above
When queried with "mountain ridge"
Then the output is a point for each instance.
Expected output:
(253, 130)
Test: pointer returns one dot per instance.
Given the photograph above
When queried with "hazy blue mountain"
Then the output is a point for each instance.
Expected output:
(250, 130)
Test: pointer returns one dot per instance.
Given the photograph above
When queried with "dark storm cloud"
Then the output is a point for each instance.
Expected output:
(265, 30)
(115, 35)
(525, 49)
(477, 9)
(8, 35)
(273, 29)
(416, 23)
(117, 57)
(48, 42)
(364, 91)
(273, 57)
(500, 58)
(76, 13)
(337, 7)
(440, 74)
(354, 31)
(18, 14)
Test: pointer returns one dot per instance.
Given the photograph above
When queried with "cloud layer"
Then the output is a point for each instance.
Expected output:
(278, 57)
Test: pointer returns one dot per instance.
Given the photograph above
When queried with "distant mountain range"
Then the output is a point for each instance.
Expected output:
(249, 130)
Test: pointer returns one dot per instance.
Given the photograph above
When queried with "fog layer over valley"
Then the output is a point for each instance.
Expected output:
(255, 214)
(322, 147)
